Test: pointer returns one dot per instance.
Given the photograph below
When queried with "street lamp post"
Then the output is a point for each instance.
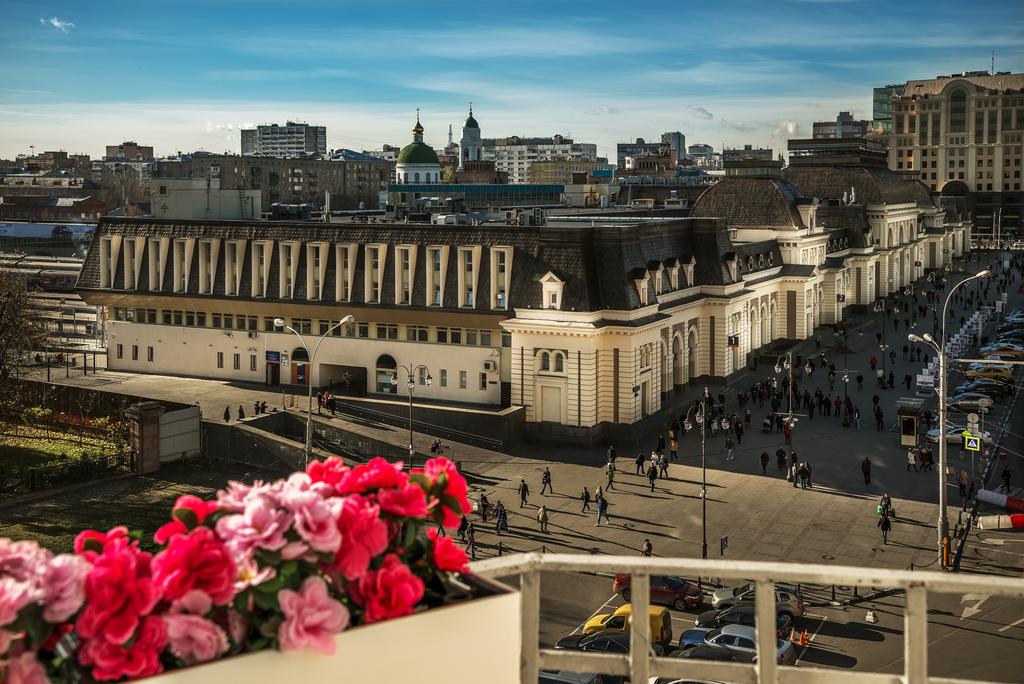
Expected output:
(700, 417)
(279, 323)
(410, 371)
(940, 351)
(788, 366)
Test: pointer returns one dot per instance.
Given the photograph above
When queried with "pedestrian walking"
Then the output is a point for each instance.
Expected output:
(794, 474)
(729, 448)
(787, 432)
(256, 409)
(911, 459)
(241, 412)
(661, 444)
(801, 473)
(879, 421)
(780, 458)
(611, 453)
(885, 525)
(485, 507)
(463, 526)
(663, 467)
(542, 518)
(609, 478)
(471, 540)
(860, 381)
(319, 403)
(227, 414)
(856, 417)
(1005, 475)
(647, 549)
(807, 474)
(764, 462)
(545, 481)
(865, 467)
(602, 511)
(652, 475)
(673, 450)
(500, 519)
(585, 498)
(524, 492)
(961, 480)
(639, 461)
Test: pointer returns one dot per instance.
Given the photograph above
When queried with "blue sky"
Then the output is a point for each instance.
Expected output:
(186, 75)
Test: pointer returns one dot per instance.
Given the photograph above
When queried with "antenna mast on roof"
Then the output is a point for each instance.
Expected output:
(993, 70)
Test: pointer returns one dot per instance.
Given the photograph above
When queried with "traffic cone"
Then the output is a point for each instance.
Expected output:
(804, 638)
(792, 634)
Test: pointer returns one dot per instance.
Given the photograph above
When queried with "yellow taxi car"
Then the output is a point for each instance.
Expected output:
(990, 370)
(619, 621)
(1003, 350)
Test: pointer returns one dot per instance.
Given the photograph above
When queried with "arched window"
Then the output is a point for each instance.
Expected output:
(958, 111)
(559, 363)
(416, 177)
(545, 361)
(406, 176)
(386, 368)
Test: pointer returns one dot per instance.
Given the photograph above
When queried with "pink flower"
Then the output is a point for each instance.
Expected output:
(315, 518)
(261, 525)
(250, 574)
(454, 500)
(140, 658)
(14, 596)
(390, 591)
(376, 474)
(311, 618)
(237, 626)
(89, 543)
(406, 502)
(188, 512)
(364, 536)
(447, 556)
(196, 560)
(63, 585)
(194, 601)
(26, 669)
(119, 592)
(234, 497)
(21, 560)
(194, 639)
(329, 471)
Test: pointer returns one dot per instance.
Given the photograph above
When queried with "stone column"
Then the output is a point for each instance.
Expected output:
(144, 419)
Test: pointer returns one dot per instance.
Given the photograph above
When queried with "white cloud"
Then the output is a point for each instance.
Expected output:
(739, 127)
(59, 24)
(602, 111)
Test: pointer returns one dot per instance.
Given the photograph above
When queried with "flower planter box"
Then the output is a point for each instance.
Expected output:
(469, 642)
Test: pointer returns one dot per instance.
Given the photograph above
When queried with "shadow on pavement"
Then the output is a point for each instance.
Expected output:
(822, 656)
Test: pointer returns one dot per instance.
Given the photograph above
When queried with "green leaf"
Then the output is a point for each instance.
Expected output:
(242, 600)
(271, 586)
(186, 516)
(267, 601)
(269, 557)
(288, 568)
(420, 480)
(260, 644)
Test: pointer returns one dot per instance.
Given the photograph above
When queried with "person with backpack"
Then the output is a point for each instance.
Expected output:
(500, 519)
(885, 525)
(602, 511)
(545, 482)
(652, 475)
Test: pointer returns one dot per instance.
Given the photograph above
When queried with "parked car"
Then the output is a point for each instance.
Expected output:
(669, 591)
(602, 642)
(705, 652)
(1007, 348)
(739, 640)
(740, 614)
(954, 434)
(971, 401)
(993, 371)
(996, 356)
(993, 388)
(622, 618)
(787, 598)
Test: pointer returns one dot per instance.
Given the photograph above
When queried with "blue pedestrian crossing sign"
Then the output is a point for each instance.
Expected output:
(972, 443)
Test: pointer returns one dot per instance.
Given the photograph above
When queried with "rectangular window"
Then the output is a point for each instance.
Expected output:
(190, 319)
(237, 361)
(205, 267)
(462, 379)
(177, 318)
(500, 279)
(466, 272)
(444, 377)
(471, 336)
(364, 330)
(387, 331)
(483, 381)
(155, 267)
(455, 335)
(229, 321)
(231, 268)
(421, 375)
(220, 359)
(992, 125)
(485, 338)
(373, 270)
(129, 264)
(268, 324)
(252, 362)
(149, 354)
(286, 268)
(180, 277)
(441, 335)
(166, 317)
(215, 320)
(303, 326)
(259, 251)
(324, 327)
(416, 333)
(404, 294)
(120, 351)
(344, 271)
(135, 352)
(434, 275)
(314, 265)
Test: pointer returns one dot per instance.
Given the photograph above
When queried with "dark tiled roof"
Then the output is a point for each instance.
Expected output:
(751, 202)
(804, 270)
(872, 185)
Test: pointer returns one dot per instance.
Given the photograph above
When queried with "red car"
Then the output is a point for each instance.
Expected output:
(668, 591)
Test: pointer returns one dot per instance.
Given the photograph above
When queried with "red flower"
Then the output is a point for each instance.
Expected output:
(406, 502)
(447, 556)
(390, 591)
(141, 658)
(377, 474)
(454, 499)
(188, 512)
(119, 591)
(196, 560)
(363, 536)
(90, 543)
(330, 471)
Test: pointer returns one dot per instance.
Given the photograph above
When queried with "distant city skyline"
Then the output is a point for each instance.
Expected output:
(188, 76)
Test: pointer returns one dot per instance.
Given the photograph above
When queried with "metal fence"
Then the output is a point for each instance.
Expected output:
(641, 663)
(19, 481)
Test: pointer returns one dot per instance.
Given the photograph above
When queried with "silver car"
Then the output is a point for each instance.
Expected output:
(741, 640)
(788, 600)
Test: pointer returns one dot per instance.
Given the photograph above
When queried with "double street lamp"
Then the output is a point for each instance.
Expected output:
(787, 364)
(940, 352)
(410, 382)
(280, 323)
(698, 410)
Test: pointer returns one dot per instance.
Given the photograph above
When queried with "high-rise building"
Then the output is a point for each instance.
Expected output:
(288, 141)
(634, 149)
(881, 105)
(515, 155)
(844, 126)
(677, 141)
(963, 135)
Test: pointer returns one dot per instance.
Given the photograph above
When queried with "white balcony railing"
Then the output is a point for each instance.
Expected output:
(640, 663)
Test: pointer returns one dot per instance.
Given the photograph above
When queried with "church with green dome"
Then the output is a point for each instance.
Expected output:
(417, 162)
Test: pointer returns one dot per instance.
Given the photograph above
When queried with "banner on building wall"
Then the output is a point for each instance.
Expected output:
(274, 357)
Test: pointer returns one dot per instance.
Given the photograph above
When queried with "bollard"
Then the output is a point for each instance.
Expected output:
(855, 594)
(833, 593)
(543, 548)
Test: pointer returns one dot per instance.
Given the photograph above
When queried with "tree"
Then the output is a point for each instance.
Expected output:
(20, 329)
(447, 174)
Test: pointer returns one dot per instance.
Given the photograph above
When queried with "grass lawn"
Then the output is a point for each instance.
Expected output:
(23, 446)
